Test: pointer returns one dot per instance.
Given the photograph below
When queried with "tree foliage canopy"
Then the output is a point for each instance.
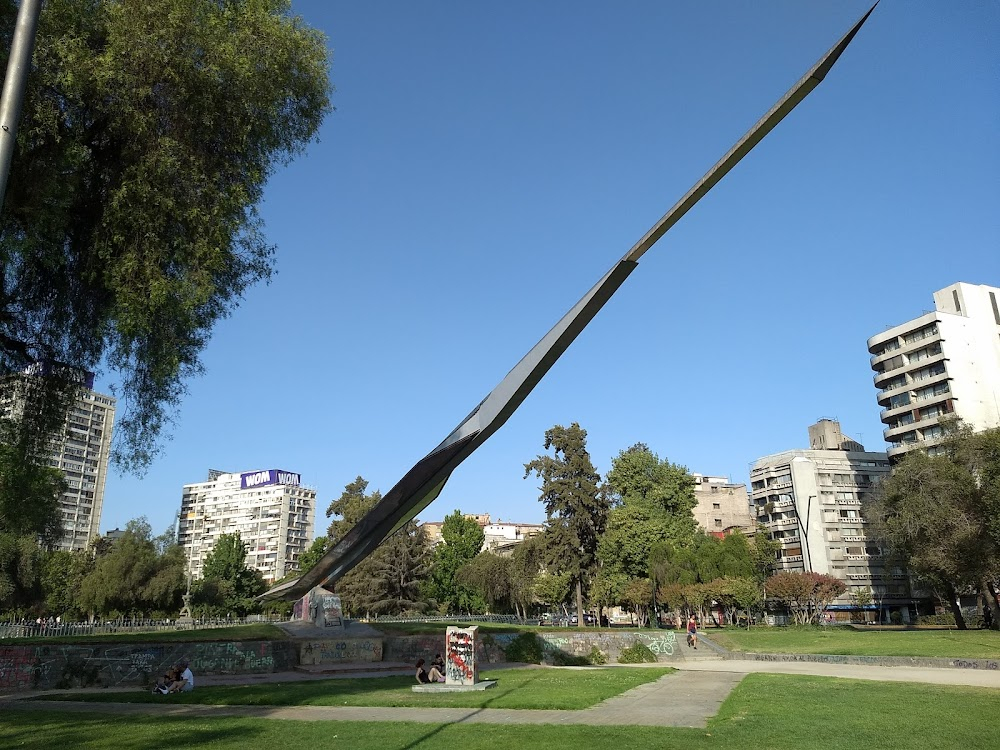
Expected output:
(131, 221)
(461, 541)
(938, 515)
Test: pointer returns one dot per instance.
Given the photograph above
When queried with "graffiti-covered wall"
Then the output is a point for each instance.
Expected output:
(340, 650)
(491, 647)
(66, 666)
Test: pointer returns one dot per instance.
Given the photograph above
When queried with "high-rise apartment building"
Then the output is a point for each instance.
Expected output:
(722, 506)
(810, 502)
(270, 509)
(81, 450)
(945, 362)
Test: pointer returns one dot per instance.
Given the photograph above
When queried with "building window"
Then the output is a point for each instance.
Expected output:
(718, 523)
(716, 506)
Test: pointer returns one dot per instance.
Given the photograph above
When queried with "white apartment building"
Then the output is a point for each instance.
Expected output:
(270, 509)
(944, 362)
(722, 506)
(81, 451)
(810, 502)
(502, 537)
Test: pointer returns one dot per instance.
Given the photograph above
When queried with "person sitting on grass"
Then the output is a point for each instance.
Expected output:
(424, 677)
(169, 678)
(184, 682)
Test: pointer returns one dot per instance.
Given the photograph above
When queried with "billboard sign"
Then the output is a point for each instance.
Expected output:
(267, 477)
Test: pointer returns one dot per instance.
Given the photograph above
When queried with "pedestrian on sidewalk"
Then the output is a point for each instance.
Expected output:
(693, 632)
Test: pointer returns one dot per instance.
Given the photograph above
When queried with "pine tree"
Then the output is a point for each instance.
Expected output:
(576, 511)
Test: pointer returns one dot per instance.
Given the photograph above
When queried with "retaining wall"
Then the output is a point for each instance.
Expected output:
(491, 647)
(67, 666)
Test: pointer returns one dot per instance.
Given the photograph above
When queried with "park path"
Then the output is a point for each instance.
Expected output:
(686, 698)
(681, 699)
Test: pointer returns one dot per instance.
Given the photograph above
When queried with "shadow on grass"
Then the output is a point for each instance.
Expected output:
(49, 730)
(488, 704)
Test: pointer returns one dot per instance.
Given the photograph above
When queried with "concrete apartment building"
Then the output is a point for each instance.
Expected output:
(944, 363)
(81, 451)
(723, 507)
(270, 508)
(809, 500)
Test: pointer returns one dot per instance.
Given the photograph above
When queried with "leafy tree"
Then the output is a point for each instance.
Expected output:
(62, 577)
(314, 553)
(461, 540)
(227, 584)
(638, 596)
(387, 581)
(607, 589)
(553, 589)
(652, 503)
(21, 565)
(576, 511)
(132, 578)
(807, 595)
(932, 512)
(526, 564)
(131, 221)
(490, 575)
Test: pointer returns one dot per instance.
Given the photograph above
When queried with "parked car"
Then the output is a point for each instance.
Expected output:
(588, 619)
(555, 619)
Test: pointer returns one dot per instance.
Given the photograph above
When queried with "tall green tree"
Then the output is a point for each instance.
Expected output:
(652, 502)
(461, 540)
(399, 569)
(933, 513)
(490, 575)
(575, 509)
(227, 585)
(131, 222)
(526, 564)
(131, 578)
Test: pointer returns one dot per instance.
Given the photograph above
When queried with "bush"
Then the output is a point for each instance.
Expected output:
(596, 656)
(971, 621)
(562, 659)
(895, 617)
(525, 648)
(637, 653)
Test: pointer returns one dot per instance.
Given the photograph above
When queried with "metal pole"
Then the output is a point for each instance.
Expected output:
(21, 46)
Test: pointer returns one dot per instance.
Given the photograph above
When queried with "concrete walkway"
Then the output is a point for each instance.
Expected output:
(687, 698)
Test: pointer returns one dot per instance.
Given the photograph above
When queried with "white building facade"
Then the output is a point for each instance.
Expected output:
(945, 363)
(81, 451)
(270, 509)
(810, 502)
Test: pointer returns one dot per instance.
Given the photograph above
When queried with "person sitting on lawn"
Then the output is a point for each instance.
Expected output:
(424, 677)
(169, 678)
(184, 682)
(438, 663)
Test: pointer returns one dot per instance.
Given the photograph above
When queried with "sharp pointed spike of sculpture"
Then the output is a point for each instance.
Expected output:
(424, 482)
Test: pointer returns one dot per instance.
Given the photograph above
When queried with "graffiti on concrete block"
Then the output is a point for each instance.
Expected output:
(460, 659)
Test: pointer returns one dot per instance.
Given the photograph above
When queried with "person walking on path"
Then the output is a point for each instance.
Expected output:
(693, 632)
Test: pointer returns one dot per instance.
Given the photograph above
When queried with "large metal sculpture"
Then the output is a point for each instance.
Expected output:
(423, 483)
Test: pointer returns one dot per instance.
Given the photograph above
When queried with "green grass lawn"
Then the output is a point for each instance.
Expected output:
(516, 688)
(779, 712)
(256, 632)
(966, 644)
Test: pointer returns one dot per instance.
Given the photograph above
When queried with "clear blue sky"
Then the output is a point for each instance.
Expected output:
(487, 163)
